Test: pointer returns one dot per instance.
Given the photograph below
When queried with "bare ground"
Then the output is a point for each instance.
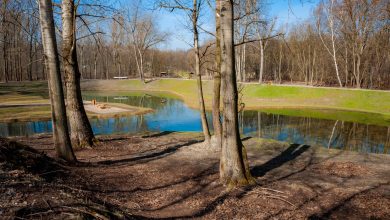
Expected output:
(172, 175)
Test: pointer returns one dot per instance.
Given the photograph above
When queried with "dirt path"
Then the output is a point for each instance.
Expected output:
(171, 175)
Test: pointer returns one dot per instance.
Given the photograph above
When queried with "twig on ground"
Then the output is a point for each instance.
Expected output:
(54, 171)
(40, 213)
(284, 200)
(48, 204)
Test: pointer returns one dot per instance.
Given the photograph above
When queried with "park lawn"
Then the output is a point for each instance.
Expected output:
(31, 113)
(24, 93)
(261, 96)
(21, 99)
(373, 101)
(351, 104)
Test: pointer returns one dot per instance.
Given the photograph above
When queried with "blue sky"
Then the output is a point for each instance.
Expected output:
(288, 12)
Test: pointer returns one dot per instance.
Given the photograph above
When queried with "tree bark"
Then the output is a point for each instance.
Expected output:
(331, 24)
(261, 71)
(4, 28)
(81, 133)
(234, 167)
(217, 81)
(205, 127)
(62, 141)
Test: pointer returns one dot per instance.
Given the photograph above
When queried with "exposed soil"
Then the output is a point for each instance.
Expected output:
(172, 175)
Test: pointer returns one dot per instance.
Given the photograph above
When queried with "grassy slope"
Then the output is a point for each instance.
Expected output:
(285, 99)
(34, 95)
(264, 96)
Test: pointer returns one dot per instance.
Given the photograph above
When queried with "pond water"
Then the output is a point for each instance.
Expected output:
(173, 115)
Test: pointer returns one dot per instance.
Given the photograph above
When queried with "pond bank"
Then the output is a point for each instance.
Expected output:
(42, 112)
(362, 106)
(257, 96)
(169, 175)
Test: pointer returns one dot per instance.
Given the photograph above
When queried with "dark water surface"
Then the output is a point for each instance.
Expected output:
(173, 115)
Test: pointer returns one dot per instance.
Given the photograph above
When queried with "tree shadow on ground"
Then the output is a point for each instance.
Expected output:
(95, 208)
(158, 134)
(287, 155)
(151, 156)
(292, 152)
(326, 214)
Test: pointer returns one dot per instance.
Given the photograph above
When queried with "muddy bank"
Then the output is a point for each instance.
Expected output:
(42, 112)
(171, 175)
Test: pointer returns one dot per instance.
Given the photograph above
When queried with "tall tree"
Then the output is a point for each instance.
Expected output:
(329, 12)
(195, 17)
(264, 33)
(217, 79)
(193, 13)
(144, 35)
(62, 141)
(234, 167)
(80, 129)
(4, 32)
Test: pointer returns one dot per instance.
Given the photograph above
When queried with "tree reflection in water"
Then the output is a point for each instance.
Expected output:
(174, 115)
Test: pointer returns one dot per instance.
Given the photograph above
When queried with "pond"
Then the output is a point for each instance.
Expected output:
(173, 114)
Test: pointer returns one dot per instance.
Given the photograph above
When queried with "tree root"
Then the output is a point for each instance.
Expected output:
(266, 192)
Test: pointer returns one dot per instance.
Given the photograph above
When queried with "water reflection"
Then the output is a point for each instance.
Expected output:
(174, 115)
(24, 128)
(311, 131)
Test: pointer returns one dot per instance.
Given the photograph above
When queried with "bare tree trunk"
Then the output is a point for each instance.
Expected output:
(30, 59)
(280, 65)
(139, 63)
(62, 141)
(261, 62)
(4, 28)
(217, 80)
(335, 60)
(331, 24)
(203, 116)
(234, 167)
(358, 78)
(243, 63)
(95, 64)
(334, 49)
(346, 66)
(80, 129)
(313, 67)
(238, 63)
(120, 64)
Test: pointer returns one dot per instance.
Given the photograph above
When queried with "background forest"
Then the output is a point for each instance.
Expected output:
(345, 43)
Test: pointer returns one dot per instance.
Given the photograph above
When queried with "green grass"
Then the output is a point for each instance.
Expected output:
(351, 104)
(272, 91)
(25, 113)
(263, 96)
(346, 99)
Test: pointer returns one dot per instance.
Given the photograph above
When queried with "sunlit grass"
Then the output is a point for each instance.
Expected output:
(287, 100)
(25, 113)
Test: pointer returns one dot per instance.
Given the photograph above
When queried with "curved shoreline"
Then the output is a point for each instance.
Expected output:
(124, 110)
(379, 118)
(280, 98)
(260, 96)
(247, 107)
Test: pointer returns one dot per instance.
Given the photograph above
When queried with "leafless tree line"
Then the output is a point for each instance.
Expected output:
(346, 44)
